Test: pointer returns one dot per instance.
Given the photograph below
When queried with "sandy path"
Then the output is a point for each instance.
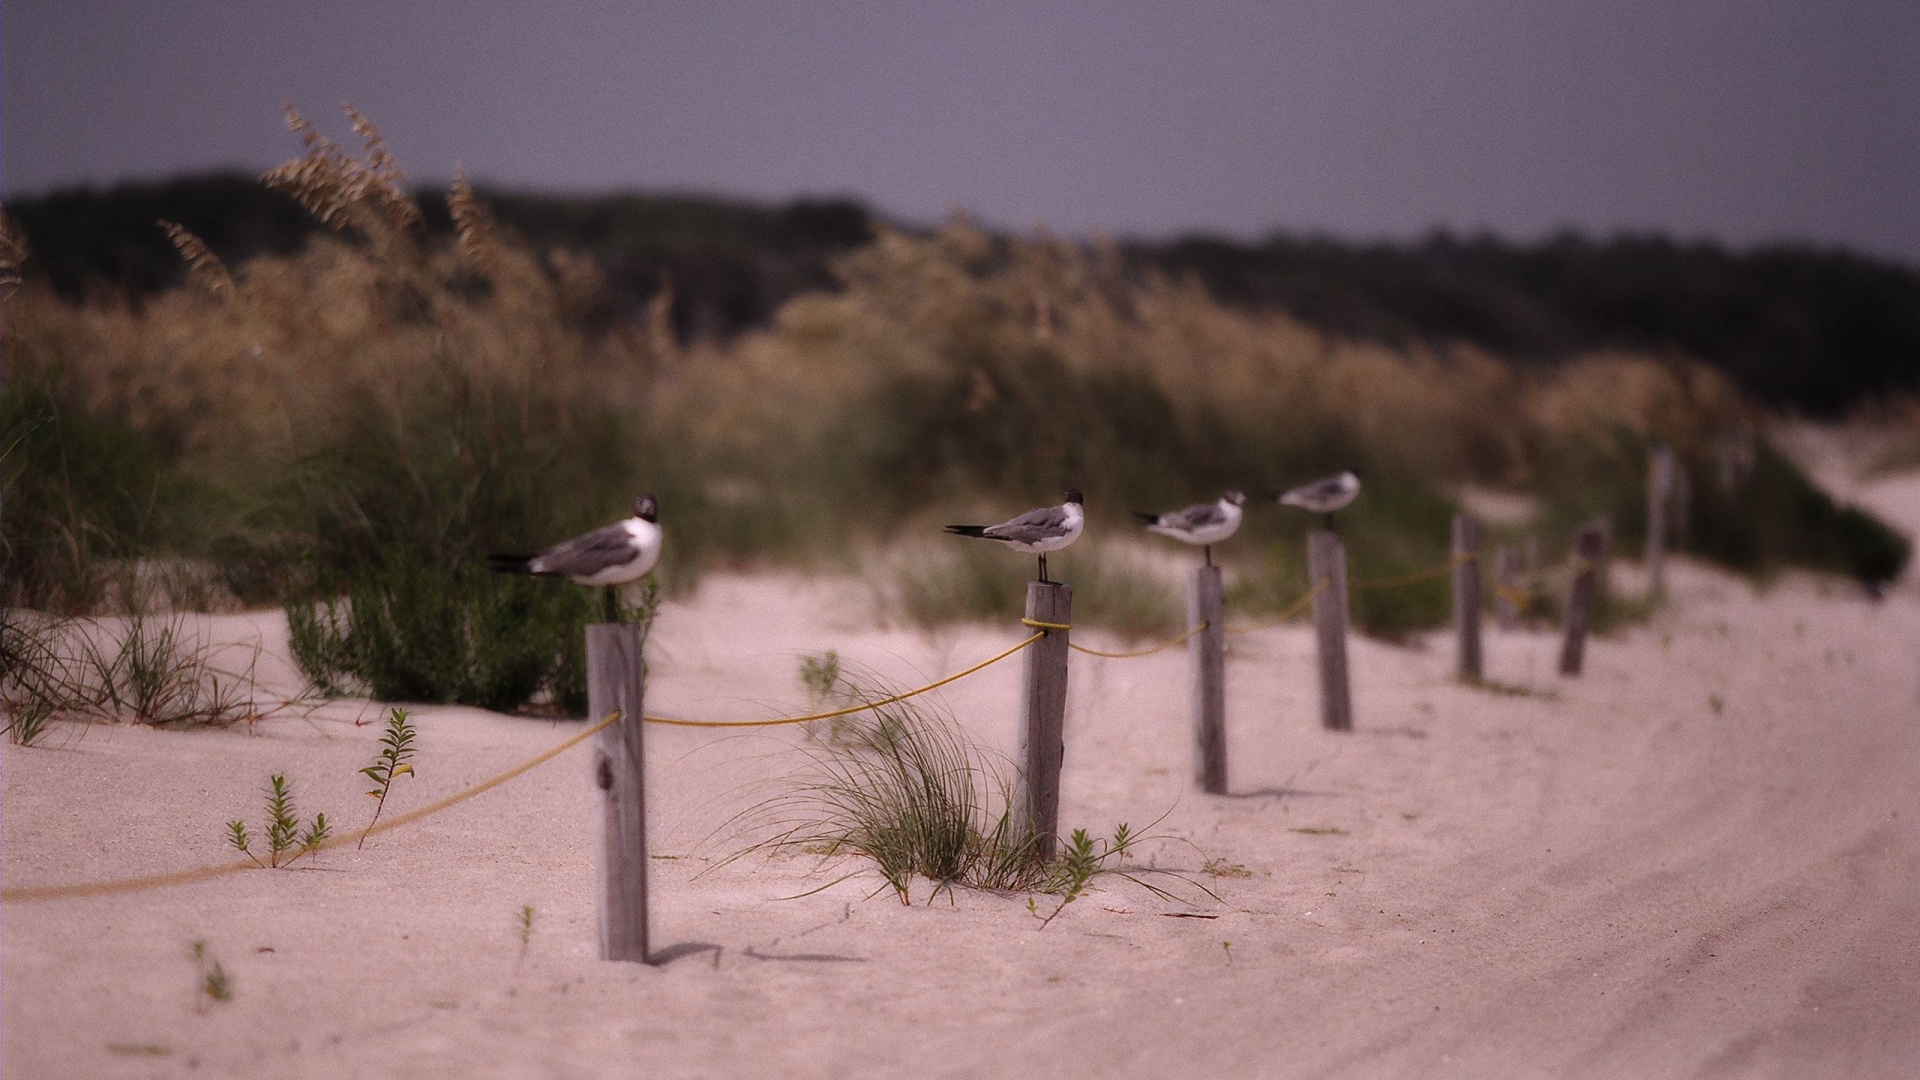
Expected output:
(1613, 877)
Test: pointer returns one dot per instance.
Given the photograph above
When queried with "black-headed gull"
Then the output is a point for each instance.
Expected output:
(1205, 524)
(1325, 495)
(1049, 528)
(610, 556)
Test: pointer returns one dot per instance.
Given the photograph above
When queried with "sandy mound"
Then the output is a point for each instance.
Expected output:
(1700, 858)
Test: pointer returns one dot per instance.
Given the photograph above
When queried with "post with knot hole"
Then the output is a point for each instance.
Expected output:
(1207, 656)
(1043, 746)
(1327, 567)
(1466, 596)
(1589, 559)
(616, 680)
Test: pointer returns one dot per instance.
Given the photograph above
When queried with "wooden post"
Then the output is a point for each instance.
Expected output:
(1043, 743)
(1506, 577)
(1466, 596)
(1327, 567)
(1588, 551)
(1659, 502)
(616, 680)
(1207, 656)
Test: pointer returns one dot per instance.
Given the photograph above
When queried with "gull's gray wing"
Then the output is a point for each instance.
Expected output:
(1031, 527)
(585, 556)
(1195, 517)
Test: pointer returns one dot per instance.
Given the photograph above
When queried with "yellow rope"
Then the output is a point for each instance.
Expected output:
(1162, 647)
(23, 894)
(1517, 595)
(1417, 576)
(1038, 625)
(862, 707)
(1292, 609)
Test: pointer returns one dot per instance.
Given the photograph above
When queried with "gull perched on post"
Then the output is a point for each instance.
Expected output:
(610, 556)
(1205, 524)
(1325, 495)
(1049, 528)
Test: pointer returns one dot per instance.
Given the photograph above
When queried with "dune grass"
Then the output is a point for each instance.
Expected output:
(294, 419)
(904, 790)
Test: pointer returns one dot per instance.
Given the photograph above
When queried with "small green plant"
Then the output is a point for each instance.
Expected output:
(523, 928)
(820, 673)
(1223, 868)
(1716, 703)
(214, 984)
(1227, 947)
(396, 746)
(1078, 863)
(286, 841)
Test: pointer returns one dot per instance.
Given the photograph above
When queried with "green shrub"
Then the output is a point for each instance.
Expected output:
(406, 629)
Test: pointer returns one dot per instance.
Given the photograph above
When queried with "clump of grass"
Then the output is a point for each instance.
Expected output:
(286, 840)
(212, 984)
(31, 679)
(148, 669)
(1225, 869)
(396, 746)
(901, 787)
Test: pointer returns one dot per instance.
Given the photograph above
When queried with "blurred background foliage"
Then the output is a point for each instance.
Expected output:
(347, 389)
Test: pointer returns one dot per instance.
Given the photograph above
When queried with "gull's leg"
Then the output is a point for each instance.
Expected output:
(1043, 568)
(611, 601)
(1208, 548)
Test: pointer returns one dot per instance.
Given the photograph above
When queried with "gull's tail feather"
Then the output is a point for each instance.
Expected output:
(1145, 518)
(510, 564)
(967, 530)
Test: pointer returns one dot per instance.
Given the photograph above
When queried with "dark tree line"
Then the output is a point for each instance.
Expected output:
(1812, 328)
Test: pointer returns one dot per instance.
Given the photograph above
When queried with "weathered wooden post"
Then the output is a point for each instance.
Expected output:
(1659, 502)
(617, 681)
(1589, 550)
(1466, 596)
(1043, 743)
(1207, 656)
(1327, 567)
(1506, 578)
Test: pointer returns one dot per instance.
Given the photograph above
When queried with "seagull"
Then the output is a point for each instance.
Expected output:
(1049, 528)
(1325, 495)
(1205, 524)
(610, 556)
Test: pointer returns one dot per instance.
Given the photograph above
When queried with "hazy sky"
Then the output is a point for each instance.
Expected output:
(1746, 121)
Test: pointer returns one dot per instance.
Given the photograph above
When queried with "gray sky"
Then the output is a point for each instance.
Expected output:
(1745, 122)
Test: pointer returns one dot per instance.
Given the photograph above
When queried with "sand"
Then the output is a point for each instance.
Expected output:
(1701, 858)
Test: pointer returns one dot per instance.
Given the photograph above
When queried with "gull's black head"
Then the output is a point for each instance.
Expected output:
(1073, 496)
(1235, 498)
(646, 508)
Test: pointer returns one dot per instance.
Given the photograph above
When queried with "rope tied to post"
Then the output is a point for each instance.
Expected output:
(1162, 647)
(863, 706)
(1418, 576)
